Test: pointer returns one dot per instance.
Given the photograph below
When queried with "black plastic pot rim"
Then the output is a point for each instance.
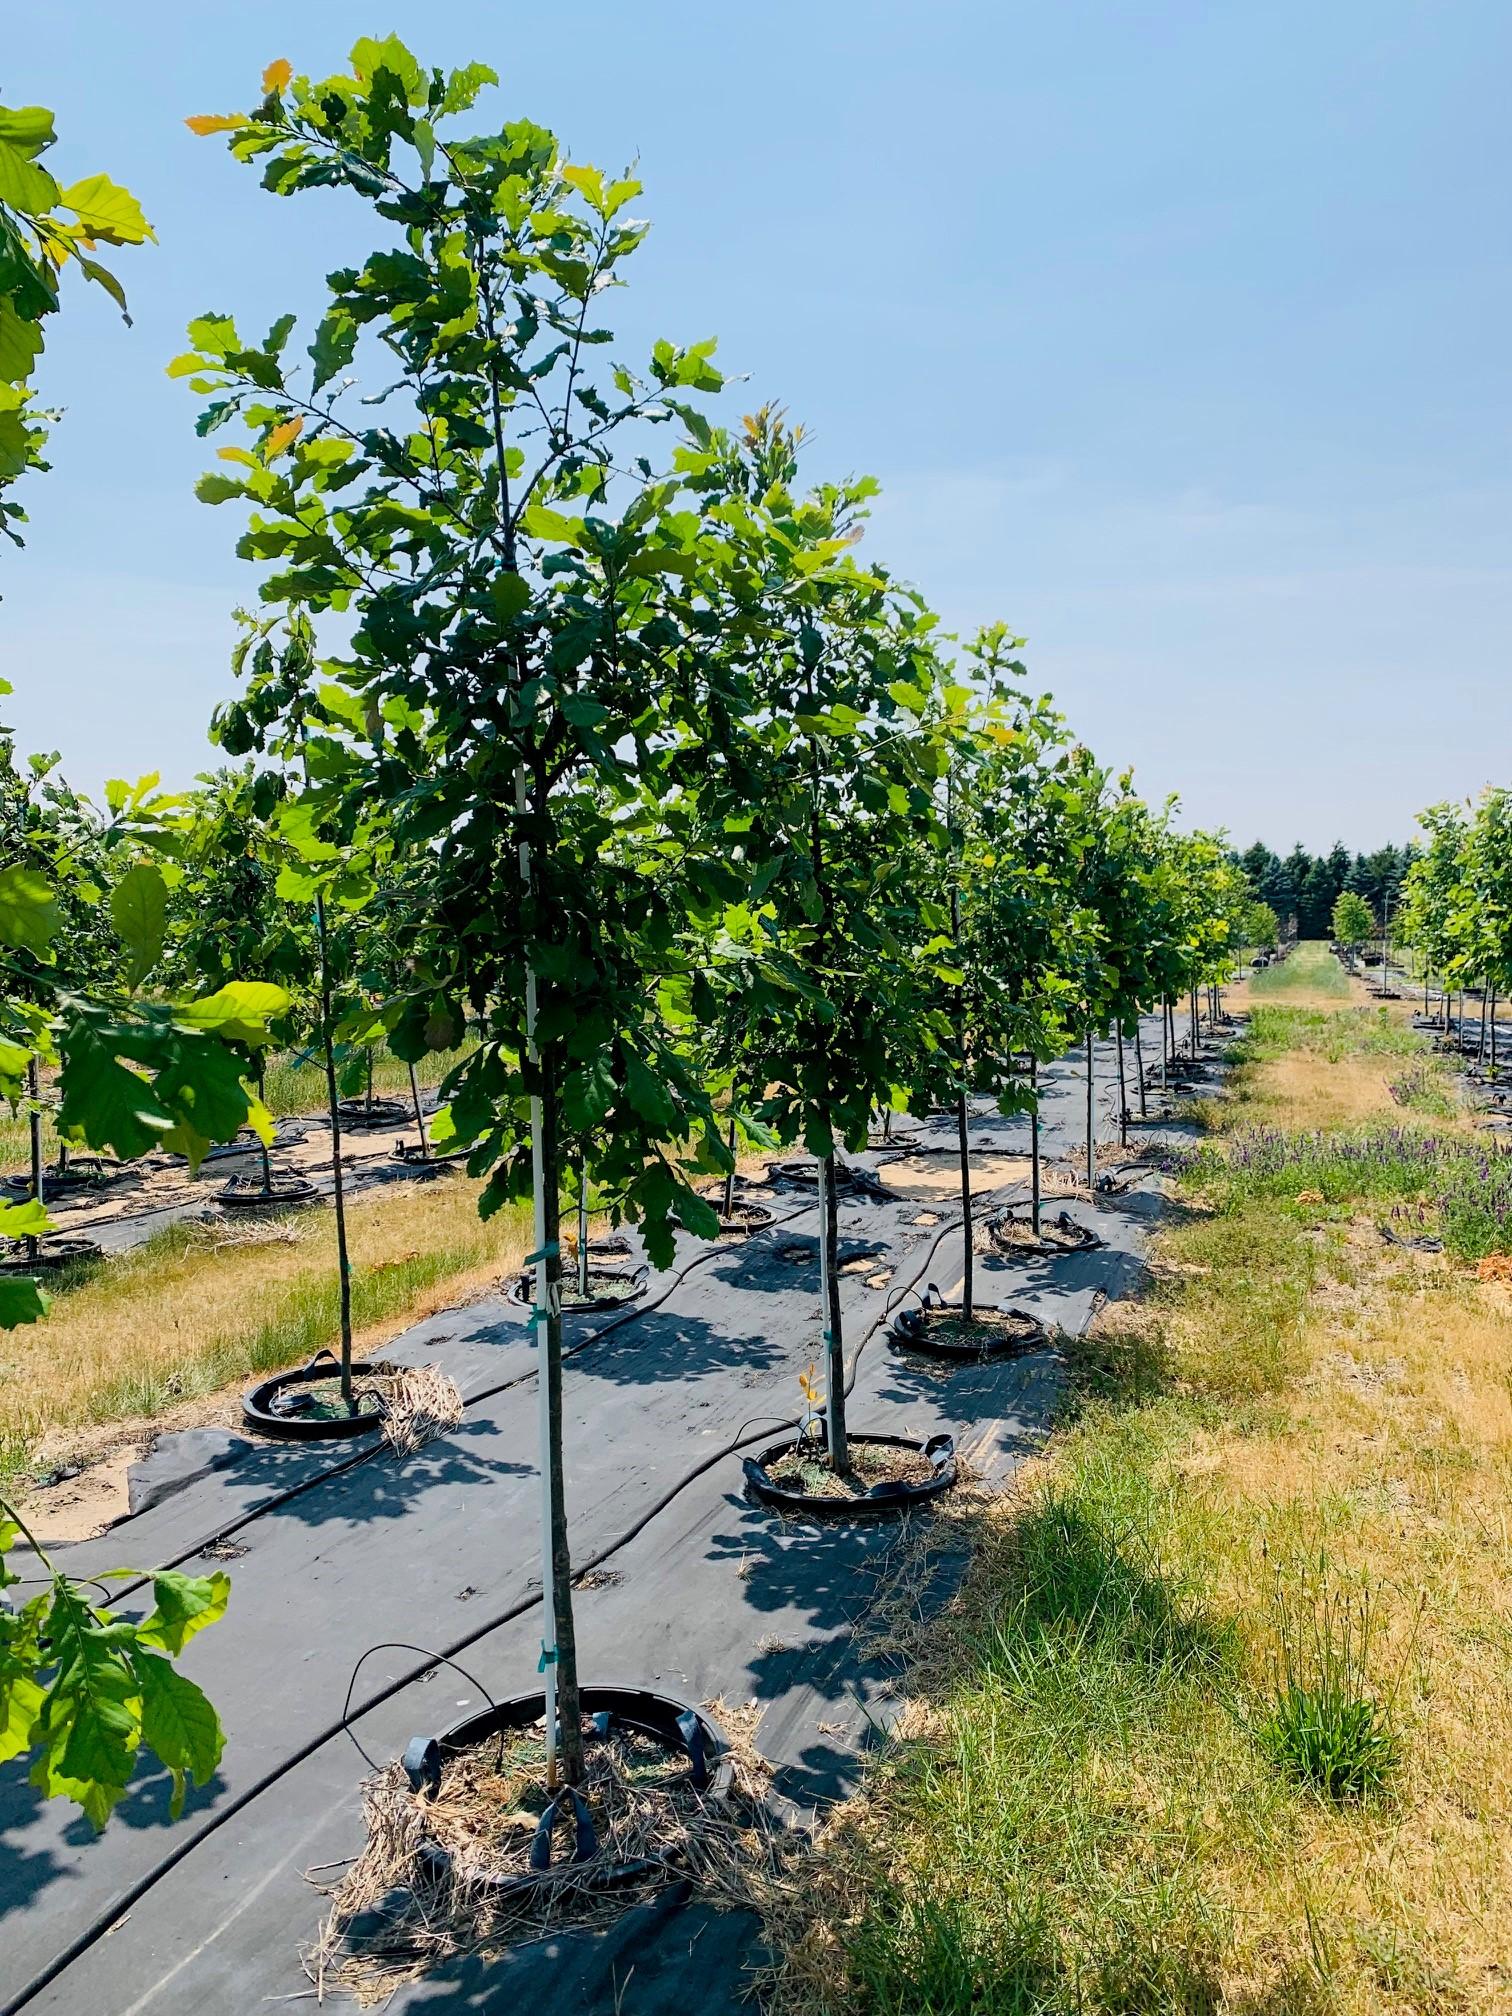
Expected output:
(852, 1182)
(883, 1501)
(257, 1412)
(246, 1193)
(910, 1330)
(84, 1172)
(902, 1145)
(757, 1218)
(1087, 1240)
(522, 1290)
(411, 1151)
(657, 1716)
(381, 1113)
(56, 1251)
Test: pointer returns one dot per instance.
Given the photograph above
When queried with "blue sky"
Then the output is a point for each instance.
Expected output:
(1177, 336)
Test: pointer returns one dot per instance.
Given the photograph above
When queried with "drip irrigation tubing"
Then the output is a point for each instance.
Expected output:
(292, 1491)
(279, 1499)
(97, 1928)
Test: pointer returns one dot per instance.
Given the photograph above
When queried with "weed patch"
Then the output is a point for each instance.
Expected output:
(1322, 1723)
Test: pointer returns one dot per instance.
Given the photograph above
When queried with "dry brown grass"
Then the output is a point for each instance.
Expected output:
(1392, 1454)
(485, 1899)
(1301, 1090)
(180, 1320)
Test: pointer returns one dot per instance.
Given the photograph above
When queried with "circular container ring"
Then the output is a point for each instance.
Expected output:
(258, 1412)
(885, 1500)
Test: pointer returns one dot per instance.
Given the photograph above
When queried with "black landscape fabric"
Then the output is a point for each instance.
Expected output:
(333, 1551)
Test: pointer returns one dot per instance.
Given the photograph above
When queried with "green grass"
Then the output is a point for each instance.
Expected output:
(1368, 1032)
(1311, 968)
(1323, 1722)
(1433, 1180)
(1146, 1686)
(1091, 1643)
(1447, 1185)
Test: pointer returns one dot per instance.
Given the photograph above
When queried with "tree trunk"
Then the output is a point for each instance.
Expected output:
(562, 1660)
(960, 1035)
(419, 1115)
(1480, 1048)
(370, 1075)
(34, 1130)
(829, 1209)
(1194, 1022)
(966, 1278)
(262, 1146)
(1165, 1029)
(582, 1227)
(1144, 1112)
(338, 1181)
(829, 1315)
(559, 1669)
(1091, 1126)
(1034, 1148)
(729, 1183)
(1123, 1093)
(1493, 1032)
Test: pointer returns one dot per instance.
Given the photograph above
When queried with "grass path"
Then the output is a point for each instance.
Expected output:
(1218, 1720)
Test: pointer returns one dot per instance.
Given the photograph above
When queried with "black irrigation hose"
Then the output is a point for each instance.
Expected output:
(433, 1659)
(360, 1456)
(96, 1929)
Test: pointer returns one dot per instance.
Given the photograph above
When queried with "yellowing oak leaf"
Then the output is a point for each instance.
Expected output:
(215, 122)
(105, 210)
(282, 435)
(277, 74)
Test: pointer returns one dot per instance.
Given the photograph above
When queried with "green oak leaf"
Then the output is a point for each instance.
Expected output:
(139, 911)
(21, 1301)
(29, 916)
(178, 1725)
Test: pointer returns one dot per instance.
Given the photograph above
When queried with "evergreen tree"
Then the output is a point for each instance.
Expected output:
(1338, 870)
(1316, 902)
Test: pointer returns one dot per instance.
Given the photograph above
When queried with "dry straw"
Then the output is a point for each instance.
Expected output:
(403, 1907)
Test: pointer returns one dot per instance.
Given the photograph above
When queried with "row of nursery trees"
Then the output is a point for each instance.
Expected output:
(133, 1060)
(579, 715)
(1456, 912)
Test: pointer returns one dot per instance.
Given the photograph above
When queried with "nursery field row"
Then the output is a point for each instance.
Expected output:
(590, 797)
(739, 1326)
(203, 1303)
